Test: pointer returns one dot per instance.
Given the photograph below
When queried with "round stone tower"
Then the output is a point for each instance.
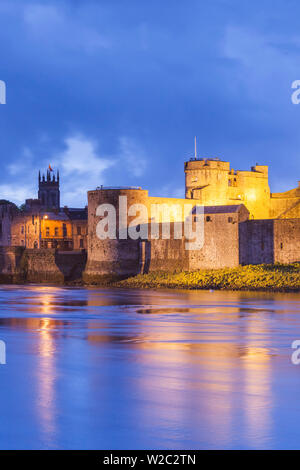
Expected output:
(119, 256)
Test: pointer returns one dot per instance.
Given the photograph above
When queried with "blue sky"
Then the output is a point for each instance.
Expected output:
(113, 92)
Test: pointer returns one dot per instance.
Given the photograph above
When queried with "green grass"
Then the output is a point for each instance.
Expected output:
(277, 277)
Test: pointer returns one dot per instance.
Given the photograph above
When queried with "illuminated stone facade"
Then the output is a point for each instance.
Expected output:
(41, 223)
(212, 181)
(233, 202)
(244, 223)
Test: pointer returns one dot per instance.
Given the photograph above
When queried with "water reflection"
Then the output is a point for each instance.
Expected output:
(46, 379)
(125, 369)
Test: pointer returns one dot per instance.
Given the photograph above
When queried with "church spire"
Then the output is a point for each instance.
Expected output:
(49, 193)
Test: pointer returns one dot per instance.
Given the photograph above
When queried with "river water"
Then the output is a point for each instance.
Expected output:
(129, 369)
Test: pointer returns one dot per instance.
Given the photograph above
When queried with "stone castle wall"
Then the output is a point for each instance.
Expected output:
(11, 264)
(18, 264)
(220, 248)
(285, 205)
(269, 241)
(125, 257)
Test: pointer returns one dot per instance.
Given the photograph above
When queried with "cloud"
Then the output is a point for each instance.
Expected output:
(82, 168)
(21, 179)
(170, 190)
(42, 16)
(263, 66)
(81, 157)
(23, 166)
(133, 155)
(143, 82)
(15, 193)
(49, 23)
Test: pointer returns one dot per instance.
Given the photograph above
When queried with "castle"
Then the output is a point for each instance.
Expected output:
(244, 223)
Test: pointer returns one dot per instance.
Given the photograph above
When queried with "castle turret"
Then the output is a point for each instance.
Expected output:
(206, 180)
(49, 192)
(119, 254)
(212, 182)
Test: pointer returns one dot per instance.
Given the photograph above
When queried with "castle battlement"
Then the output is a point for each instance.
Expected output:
(212, 181)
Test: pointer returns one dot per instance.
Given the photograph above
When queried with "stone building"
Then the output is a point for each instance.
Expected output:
(41, 222)
(56, 231)
(79, 226)
(8, 211)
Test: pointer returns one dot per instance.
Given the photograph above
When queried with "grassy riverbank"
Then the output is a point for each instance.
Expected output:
(278, 277)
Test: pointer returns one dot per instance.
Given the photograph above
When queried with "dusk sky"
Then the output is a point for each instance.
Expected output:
(113, 92)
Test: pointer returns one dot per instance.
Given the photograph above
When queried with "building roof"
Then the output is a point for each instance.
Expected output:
(117, 187)
(77, 214)
(208, 159)
(223, 209)
(55, 215)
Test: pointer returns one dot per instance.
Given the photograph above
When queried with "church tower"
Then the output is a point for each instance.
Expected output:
(49, 193)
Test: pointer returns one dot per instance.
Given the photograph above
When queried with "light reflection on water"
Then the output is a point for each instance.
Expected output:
(107, 368)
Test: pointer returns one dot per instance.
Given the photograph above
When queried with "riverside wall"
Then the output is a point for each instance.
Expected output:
(269, 241)
(40, 266)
